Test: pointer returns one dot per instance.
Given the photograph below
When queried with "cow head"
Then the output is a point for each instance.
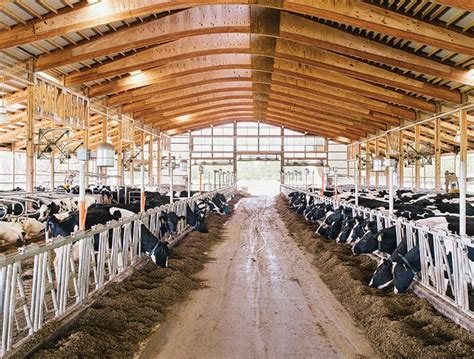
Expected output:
(345, 231)
(403, 275)
(47, 210)
(160, 254)
(383, 276)
(201, 227)
(106, 195)
(367, 244)
(172, 222)
(357, 231)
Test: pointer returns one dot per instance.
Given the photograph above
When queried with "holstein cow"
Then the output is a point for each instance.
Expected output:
(384, 240)
(158, 250)
(405, 269)
(195, 219)
(31, 226)
(62, 206)
(332, 224)
(383, 275)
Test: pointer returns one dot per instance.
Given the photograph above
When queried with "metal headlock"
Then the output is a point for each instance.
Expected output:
(46, 282)
(444, 281)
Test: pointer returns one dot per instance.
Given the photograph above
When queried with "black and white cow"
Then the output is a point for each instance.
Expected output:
(196, 219)
(158, 250)
(383, 275)
(384, 241)
(31, 226)
(332, 224)
(62, 207)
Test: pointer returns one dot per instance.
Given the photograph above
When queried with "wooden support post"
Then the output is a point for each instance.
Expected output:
(51, 172)
(359, 165)
(142, 148)
(120, 169)
(30, 150)
(132, 154)
(462, 172)
(83, 175)
(388, 171)
(86, 142)
(150, 160)
(13, 166)
(367, 163)
(401, 165)
(190, 157)
(158, 161)
(377, 153)
(325, 177)
(282, 155)
(417, 163)
(437, 158)
(142, 173)
(103, 170)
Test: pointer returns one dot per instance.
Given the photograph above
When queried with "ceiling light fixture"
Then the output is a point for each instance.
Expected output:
(457, 138)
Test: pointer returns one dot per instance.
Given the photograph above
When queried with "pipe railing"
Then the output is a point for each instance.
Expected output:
(45, 282)
(446, 271)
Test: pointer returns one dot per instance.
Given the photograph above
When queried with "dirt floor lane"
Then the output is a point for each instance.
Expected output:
(263, 300)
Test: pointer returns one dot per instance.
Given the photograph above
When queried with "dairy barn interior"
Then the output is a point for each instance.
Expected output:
(237, 179)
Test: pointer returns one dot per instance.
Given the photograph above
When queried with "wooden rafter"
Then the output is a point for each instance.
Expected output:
(215, 44)
(351, 12)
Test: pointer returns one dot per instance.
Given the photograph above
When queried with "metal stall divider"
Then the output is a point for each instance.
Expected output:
(444, 257)
(58, 286)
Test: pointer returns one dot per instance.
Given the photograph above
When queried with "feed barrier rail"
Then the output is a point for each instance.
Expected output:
(447, 274)
(45, 282)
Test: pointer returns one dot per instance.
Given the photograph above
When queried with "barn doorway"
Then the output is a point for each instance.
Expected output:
(260, 177)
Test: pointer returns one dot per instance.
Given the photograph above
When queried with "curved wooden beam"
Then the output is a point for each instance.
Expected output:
(237, 19)
(239, 107)
(186, 109)
(243, 62)
(215, 44)
(467, 5)
(350, 12)
(174, 90)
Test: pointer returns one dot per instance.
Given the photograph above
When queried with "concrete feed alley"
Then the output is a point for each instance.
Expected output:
(262, 299)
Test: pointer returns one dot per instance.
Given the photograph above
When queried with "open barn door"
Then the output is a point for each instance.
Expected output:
(260, 175)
